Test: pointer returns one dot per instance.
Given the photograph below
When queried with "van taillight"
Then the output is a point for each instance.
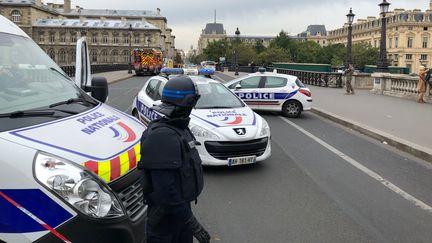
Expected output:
(305, 92)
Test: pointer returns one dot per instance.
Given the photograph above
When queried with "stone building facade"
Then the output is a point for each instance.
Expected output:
(57, 27)
(315, 33)
(215, 32)
(409, 36)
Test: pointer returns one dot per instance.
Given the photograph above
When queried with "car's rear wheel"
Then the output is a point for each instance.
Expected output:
(292, 109)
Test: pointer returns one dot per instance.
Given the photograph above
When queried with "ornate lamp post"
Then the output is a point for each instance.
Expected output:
(350, 17)
(382, 64)
(130, 49)
(237, 33)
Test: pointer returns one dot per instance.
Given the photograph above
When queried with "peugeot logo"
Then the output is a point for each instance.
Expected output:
(240, 131)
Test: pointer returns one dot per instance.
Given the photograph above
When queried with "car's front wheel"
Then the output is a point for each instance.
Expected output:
(136, 115)
(292, 109)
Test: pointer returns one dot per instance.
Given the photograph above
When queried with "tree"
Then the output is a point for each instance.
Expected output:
(245, 54)
(285, 42)
(307, 52)
(332, 54)
(364, 54)
(178, 59)
(259, 47)
(216, 49)
(272, 55)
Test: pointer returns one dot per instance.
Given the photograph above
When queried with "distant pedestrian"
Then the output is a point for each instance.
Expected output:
(421, 85)
(252, 66)
(349, 74)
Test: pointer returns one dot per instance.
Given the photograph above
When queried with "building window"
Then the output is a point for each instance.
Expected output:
(126, 39)
(73, 38)
(425, 42)
(408, 57)
(52, 38)
(16, 16)
(410, 42)
(94, 38)
(114, 56)
(41, 37)
(94, 56)
(125, 56)
(63, 38)
(410, 28)
(425, 28)
(137, 39)
(375, 43)
(105, 38)
(390, 42)
(104, 56)
(62, 56)
(396, 42)
(51, 54)
(423, 57)
(115, 39)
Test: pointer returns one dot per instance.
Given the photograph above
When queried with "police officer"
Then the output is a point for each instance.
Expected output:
(171, 167)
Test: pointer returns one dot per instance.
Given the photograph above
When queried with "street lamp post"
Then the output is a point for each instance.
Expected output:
(350, 17)
(130, 49)
(382, 64)
(237, 33)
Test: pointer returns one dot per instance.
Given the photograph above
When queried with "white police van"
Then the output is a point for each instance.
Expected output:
(68, 160)
(229, 132)
(273, 92)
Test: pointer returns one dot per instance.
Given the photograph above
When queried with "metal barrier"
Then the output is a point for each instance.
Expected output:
(323, 79)
(97, 68)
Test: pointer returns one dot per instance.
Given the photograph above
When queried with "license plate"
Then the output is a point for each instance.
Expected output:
(241, 160)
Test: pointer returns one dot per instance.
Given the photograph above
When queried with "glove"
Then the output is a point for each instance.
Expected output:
(198, 230)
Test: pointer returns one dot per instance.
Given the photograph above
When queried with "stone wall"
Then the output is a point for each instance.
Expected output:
(363, 81)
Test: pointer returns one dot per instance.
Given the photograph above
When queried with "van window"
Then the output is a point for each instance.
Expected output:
(30, 79)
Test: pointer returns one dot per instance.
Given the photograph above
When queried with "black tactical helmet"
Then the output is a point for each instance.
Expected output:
(180, 91)
(179, 96)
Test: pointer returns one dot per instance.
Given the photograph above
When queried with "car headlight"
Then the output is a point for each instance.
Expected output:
(265, 129)
(77, 186)
(198, 131)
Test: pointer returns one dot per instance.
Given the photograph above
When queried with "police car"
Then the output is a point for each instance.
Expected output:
(273, 92)
(229, 132)
(67, 160)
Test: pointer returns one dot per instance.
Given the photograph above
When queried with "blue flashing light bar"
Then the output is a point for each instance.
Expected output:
(172, 71)
(206, 71)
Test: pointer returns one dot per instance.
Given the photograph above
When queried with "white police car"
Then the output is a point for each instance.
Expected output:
(273, 92)
(230, 133)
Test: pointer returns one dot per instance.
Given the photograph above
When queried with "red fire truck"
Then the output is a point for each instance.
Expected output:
(147, 61)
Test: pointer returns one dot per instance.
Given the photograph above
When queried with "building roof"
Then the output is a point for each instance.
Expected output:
(94, 24)
(214, 28)
(28, 3)
(242, 37)
(113, 13)
(313, 30)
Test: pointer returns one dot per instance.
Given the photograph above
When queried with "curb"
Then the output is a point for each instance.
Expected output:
(401, 144)
(120, 79)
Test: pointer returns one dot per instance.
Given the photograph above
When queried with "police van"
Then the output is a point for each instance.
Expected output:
(68, 160)
(228, 131)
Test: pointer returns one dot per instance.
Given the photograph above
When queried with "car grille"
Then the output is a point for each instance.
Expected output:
(225, 150)
(132, 200)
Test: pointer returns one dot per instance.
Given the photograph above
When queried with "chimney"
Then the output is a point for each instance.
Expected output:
(67, 6)
(38, 3)
(158, 10)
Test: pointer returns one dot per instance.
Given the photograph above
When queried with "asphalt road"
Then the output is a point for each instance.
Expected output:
(323, 183)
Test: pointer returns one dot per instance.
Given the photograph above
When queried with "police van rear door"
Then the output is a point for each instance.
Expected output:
(249, 90)
(274, 91)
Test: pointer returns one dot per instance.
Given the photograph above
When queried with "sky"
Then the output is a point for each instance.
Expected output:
(187, 18)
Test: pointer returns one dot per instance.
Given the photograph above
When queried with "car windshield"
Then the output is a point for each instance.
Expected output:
(29, 79)
(216, 95)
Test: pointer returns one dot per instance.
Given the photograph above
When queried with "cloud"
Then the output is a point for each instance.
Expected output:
(188, 17)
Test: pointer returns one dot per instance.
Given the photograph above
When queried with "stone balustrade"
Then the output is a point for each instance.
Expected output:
(403, 86)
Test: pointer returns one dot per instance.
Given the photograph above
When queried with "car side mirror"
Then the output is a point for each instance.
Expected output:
(98, 88)
(238, 86)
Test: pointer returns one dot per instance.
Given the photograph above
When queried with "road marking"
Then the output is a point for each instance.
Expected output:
(418, 203)
(219, 78)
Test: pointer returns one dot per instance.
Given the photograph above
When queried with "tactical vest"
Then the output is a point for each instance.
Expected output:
(166, 155)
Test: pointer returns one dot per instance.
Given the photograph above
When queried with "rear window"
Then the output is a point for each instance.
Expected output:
(299, 83)
(275, 82)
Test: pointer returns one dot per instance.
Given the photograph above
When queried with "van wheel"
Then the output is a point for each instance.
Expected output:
(292, 109)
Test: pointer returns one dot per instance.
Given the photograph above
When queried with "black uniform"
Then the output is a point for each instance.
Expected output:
(172, 172)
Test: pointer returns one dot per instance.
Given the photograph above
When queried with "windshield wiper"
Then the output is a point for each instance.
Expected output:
(17, 114)
(58, 72)
(71, 101)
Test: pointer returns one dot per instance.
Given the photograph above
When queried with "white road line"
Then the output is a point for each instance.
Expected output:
(418, 203)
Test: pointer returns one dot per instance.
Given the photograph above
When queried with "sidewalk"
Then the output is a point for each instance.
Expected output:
(115, 76)
(402, 123)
